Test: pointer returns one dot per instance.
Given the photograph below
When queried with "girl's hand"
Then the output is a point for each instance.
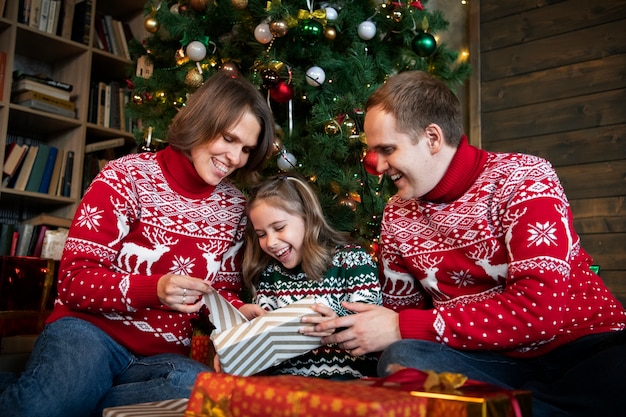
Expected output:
(216, 364)
(251, 311)
(326, 313)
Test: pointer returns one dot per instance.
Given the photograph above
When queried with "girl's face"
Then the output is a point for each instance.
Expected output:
(280, 234)
(217, 159)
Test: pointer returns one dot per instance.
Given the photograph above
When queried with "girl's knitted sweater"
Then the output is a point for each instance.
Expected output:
(143, 216)
(490, 260)
(352, 277)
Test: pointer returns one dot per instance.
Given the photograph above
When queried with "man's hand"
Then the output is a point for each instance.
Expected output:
(326, 314)
(371, 329)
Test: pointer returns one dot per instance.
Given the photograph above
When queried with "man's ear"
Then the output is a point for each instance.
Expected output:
(434, 136)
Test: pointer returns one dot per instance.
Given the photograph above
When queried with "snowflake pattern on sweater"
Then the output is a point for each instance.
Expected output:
(353, 277)
(499, 267)
(133, 226)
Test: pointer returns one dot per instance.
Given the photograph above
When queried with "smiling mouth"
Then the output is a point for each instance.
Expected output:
(395, 177)
(281, 253)
(220, 166)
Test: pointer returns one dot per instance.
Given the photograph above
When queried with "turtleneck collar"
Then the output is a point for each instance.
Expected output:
(466, 165)
(181, 175)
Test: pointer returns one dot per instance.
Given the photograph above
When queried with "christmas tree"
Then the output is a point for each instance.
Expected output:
(317, 62)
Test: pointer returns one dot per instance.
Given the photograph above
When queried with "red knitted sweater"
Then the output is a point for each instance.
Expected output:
(146, 215)
(489, 259)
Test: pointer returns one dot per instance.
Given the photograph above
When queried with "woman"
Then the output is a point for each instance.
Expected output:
(153, 233)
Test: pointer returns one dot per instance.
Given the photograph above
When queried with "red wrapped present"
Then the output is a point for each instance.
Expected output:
(202, 349)
(454, 395)
(226, 395)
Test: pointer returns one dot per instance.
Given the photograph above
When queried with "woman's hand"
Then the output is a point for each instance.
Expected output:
(251, 311)
(326, 313)
(182, 293)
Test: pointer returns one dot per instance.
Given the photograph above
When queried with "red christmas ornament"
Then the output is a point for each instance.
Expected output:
(370, 160)
(282, 93)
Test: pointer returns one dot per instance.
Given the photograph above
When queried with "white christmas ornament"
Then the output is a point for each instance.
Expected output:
(196, 51)
(367, 30)
(262, 33)
(286, 161)
(331, 14)
(315, 76)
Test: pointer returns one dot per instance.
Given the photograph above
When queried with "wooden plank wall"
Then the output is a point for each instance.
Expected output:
(553, 84)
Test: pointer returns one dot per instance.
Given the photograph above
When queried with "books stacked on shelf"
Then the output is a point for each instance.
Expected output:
(43, 93)
(107, 103)
(38, 168)
(97, 154)
(51, 16)
(42, 236)
(113, 35)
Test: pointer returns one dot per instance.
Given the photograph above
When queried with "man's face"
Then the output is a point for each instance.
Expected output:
(408, 163)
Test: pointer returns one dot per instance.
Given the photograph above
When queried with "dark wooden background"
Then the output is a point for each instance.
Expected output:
(552, 82)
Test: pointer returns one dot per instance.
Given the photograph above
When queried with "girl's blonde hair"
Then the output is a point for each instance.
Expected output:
(293, 194)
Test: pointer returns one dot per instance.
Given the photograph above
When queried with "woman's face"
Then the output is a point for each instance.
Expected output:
(217, 159)
(280, 234)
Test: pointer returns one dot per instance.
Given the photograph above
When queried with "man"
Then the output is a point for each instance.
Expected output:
(482, 271)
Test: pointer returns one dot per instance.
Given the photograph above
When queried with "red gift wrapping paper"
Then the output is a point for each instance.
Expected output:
(222, 395)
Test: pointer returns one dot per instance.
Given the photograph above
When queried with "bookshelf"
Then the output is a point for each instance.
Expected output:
(77, 60)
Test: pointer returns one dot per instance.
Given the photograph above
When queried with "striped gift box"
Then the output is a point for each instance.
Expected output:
(248, 347)
(166, 408)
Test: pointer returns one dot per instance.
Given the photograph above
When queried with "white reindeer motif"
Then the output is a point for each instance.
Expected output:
(146, 255)
(123, 226)
(429, 266)
(395, 277)
(229, 256)
(563, 210)
(211, 253)
(482, 257)
(513, 218)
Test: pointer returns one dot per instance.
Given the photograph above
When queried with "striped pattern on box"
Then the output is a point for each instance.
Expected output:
(252, 346)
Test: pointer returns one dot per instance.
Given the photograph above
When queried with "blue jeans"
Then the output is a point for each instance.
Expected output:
(586, 377)
(76, 370)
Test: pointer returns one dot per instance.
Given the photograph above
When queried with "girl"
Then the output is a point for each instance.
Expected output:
(292, 253)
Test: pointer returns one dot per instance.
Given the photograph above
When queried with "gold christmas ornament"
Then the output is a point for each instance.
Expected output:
(151, 24)
(331, 128)
(349, 126)
(199, 5)
(330, 33)
(279, 27)
(230, 67)
(193, 78)
(240, 4)
(348, 202)
(180, 57)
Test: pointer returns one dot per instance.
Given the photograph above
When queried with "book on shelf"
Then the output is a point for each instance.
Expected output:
(38, 239)
(19, 98)
(68, 18)
(35, 14)
(53, 17)
(6, 238)
(49, 108)
(43, 79)
(81, 22)
(3, 69)
(47, 171)
(67, 175)
(59, 189)
(26, 168)
(114, 105)
(102, 87)
(13, 156)
(105, 144)
(25, 231)
(53, 243)
(27, 84)
(56, 173)
(36, 173)
(44, 12)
